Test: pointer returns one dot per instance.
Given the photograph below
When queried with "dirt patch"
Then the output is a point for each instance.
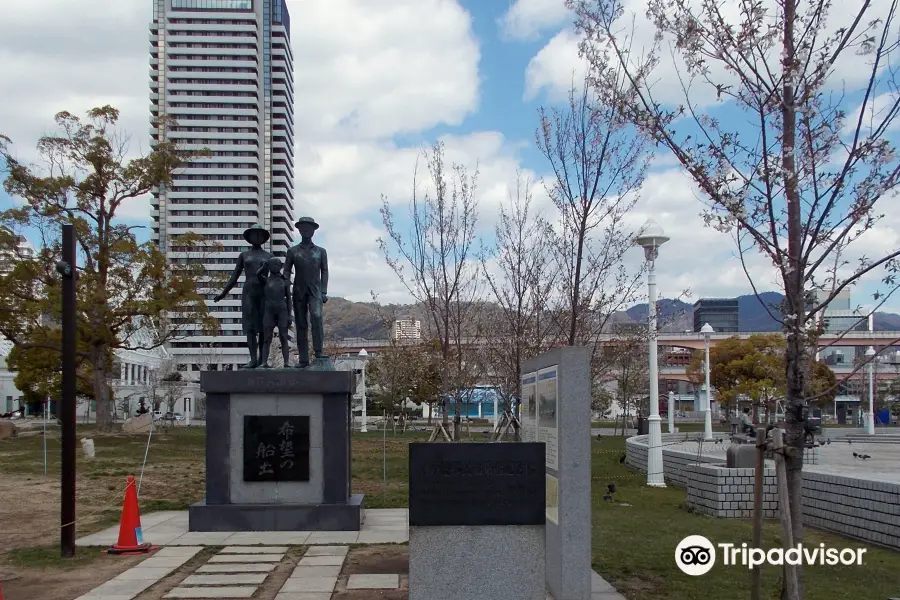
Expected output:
(377, 560)
(386, 559)
(29, 514)
(65, 584)
(635, 585)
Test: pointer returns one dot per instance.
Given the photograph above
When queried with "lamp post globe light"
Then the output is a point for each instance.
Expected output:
(650, 239)
(363, 355)
(870, 418)
(707, 332)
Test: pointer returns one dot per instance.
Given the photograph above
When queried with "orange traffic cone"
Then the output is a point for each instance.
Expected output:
(131, 539)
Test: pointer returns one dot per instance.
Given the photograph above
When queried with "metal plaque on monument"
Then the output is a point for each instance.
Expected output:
(278, 439)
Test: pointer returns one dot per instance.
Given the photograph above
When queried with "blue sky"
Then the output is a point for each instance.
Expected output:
(375, 81)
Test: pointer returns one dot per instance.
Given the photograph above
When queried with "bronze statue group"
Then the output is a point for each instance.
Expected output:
(268, 297)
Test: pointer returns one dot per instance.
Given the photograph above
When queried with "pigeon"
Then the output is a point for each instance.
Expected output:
(828, 441)
(718, 441)
(622, 460)
(855, 455)
(849, 441)
(610, 489)
(864, 456)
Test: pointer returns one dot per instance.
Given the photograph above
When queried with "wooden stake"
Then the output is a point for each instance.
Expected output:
(759, 480)
(784, 508)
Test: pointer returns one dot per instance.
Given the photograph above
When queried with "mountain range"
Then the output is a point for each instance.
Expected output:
(347, 319)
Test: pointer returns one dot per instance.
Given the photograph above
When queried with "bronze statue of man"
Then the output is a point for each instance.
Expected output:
(249, 263)
(310, 288)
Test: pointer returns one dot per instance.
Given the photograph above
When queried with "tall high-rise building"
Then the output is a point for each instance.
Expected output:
(222, 71)
(720, 313)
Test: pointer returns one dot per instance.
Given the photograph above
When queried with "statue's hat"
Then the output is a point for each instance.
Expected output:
(257, 227)
(309, 220)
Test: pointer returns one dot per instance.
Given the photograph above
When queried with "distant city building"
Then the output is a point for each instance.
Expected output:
(841, 300)
(9, 257)
(720, 313)
(407, 329)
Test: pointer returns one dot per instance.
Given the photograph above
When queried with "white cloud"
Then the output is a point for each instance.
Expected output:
(527, 19)
(851, 69)
(555, 68)
(877, 111)
(367, 70)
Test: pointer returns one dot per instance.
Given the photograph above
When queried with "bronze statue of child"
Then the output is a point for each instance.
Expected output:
(277, 310)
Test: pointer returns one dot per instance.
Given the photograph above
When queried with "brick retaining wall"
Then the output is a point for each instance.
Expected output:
(722, 492)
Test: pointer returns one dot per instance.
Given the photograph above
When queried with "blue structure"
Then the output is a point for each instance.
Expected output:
(478, 402)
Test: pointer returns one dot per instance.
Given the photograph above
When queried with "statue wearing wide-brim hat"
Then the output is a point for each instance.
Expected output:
(307, 220)
(310, 292)
(256, 230)
(249, 262)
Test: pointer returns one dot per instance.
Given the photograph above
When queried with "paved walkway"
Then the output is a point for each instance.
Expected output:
(249, 559)
(835, 458)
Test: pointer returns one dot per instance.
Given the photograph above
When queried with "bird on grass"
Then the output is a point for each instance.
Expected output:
(610, 490)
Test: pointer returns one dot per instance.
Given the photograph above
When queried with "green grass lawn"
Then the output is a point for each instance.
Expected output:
(634, 545)
(634, 538)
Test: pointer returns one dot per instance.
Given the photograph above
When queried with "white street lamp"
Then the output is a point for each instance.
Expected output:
(363, 355)
(650, 239)
(870, 425)
(707, 332)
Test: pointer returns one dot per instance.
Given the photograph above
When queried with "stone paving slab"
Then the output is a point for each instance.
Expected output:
(310, 584)
(373, 582)
(254, 550)
(270, 538)
(221, 592)
(333, 537)
(129, 584)
(321, 561)
(320, 571)
(246, 558)
(237, 568)
(142, 572)
(327, 551)
(226, 579)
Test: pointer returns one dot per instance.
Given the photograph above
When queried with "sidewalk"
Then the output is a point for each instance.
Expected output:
(250, 557)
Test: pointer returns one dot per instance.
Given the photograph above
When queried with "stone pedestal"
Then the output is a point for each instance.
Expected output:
(277, 452)
(476, 521)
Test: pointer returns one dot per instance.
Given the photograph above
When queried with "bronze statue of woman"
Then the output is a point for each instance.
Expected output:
(249, 263)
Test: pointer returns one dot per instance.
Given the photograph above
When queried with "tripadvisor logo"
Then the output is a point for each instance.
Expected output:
(695, 555)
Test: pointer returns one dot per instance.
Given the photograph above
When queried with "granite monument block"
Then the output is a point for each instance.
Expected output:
(277, 452)
(556, 410)
(468, 505)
